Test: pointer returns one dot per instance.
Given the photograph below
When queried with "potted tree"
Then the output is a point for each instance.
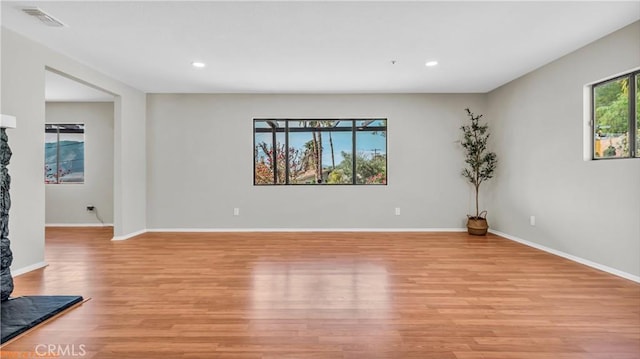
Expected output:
(480, 164)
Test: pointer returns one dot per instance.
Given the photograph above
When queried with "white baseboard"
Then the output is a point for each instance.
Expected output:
(129, 235)
(78, 225)
(245, 230)
(571, 257)
(27, 269)
(203, 230)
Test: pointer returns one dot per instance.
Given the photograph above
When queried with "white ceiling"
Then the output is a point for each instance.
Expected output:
(59, 88)
(319, 47)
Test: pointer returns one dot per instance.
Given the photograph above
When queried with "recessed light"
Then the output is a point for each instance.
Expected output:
(431, 63)
(198, 64)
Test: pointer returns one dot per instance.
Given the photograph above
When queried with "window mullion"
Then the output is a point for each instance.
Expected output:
(286, 152)
(58, 155)
(353, 152)
(274, 157)
(632, 115)
(593, 123)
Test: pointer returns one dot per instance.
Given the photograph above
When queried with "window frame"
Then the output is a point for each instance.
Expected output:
(634, 152)
(287, 129)
(84, 132)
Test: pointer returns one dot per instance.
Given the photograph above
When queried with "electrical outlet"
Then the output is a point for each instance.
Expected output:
(91, 208)
(236, 211)
(532, 220)
(397, 211)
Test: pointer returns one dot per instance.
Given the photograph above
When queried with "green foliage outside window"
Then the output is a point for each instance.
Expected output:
(614, 124)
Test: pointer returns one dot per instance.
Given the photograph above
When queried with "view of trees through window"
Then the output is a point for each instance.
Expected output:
(64, 153)
(616, 117)
(332, 151)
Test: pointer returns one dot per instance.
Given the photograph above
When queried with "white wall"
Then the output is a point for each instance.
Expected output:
(23, 80)
(66, 203)
(588, 209)
(201, 156)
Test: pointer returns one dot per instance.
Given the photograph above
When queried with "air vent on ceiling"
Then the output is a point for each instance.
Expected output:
(44, 17)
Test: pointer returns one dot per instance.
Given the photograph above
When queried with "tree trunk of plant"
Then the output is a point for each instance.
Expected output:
(319, 157)
(477, 206)
(315, 153)
(333, 158)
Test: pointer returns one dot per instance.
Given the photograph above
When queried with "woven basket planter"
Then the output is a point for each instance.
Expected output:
(478, 226)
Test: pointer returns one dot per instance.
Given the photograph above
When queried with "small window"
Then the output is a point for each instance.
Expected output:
(327, 151)
(637, 111)
(616, 113)
(64, 153)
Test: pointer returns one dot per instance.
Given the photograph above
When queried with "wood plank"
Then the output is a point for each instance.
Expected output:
(328, 295)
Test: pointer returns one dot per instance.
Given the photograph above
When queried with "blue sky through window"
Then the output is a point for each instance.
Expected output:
(368, 143)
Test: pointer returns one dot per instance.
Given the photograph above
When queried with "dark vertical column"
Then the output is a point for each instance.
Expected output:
(632, 115)
(274, 149)
(6, 281)
(286, 152)
(354, 128)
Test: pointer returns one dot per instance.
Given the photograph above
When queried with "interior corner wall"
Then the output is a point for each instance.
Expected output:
(588, 209)
(66, 203)
(200, 164)
(23, 80)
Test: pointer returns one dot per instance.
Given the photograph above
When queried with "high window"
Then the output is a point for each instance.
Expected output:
(64, 153)
(320, 151)
(616, 117)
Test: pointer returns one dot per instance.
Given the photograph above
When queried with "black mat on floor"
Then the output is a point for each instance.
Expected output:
(23, 313)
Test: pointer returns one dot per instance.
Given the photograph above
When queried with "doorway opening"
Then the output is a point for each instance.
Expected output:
(79, 153)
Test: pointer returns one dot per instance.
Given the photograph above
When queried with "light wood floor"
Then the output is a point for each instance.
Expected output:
(329, 295)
